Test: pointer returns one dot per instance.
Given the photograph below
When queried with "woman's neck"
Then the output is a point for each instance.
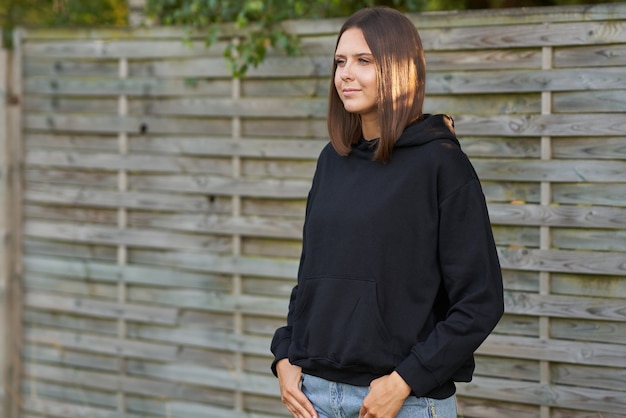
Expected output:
(370, 128)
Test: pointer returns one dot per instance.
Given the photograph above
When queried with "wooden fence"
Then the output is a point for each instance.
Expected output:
(3, 218)
(163, 203)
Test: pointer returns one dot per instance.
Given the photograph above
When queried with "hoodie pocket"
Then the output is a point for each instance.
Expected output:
(337, 322)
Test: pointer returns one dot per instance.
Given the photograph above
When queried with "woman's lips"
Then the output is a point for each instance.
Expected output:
(349, 92)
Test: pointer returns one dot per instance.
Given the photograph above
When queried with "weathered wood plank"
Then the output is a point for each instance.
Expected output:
(34, 66)
(590, 102)
(222, 225)
(127, 48)
(54, 408)
(160, 276)
(70, 176)
(541, 394)
(271, 248)
(507, 192)
(152, 378)
(223, 186)
(93, 271)
(518, 369)
(583, 262)
(589, 194)
(69, 358)
(130, 237)
(285, 87)
(565, 306)
(138, 200)
(213, 339)
(521, 36)
(515, 81)
(71, 214)
(209, 301)
(526, 281)
(135, 163)
(488, 104)
(91, 307)
(59, 320)
(589, 376)
(150, 389)
(130, 124)
(520, 325)
(601, 124)
(73, 250)
(572, 171)
(283, 268)
(517, 237)
(244, 107)
(145, 87)
(291, 148)
(590, 56)
(82, 396)
(79, 142)
(487, 408)
(564, 215)
(42, 283)
(194, 374)
(264, 168)
(102, 344)
(479, 60)
(571, 413)
(596, 240)
(72, 393)
(75, 105)
(607, 148)
(176, 409)
(589, 285)
(610, 332)
(553, 350)
(287, 208)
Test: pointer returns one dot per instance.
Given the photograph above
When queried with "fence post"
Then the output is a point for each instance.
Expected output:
(4, 261)
(10, 230)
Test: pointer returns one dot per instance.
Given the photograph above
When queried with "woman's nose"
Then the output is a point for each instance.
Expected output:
(346, 72)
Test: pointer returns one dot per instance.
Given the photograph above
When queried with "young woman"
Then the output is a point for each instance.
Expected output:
(399, 280)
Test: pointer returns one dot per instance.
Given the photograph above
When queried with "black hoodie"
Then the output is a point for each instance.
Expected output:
(399, 269)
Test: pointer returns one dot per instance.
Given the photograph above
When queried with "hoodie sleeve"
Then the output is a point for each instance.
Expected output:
(282, 336)
(472, 281)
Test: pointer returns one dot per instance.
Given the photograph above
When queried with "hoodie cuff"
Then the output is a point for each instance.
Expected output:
(418, 377)
(281, 351)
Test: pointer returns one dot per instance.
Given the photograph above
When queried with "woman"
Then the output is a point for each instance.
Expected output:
(399, 280)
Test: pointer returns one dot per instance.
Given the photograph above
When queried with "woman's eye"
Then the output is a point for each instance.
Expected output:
(364, 60)
(339, 62)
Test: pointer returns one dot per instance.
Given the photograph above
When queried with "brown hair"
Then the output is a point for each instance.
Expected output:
(400, 71)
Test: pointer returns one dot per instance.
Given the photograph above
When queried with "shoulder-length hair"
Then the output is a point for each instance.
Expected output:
(400, 71)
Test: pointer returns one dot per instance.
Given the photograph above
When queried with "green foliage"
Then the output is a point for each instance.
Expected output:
(61, 13)
(252, 48)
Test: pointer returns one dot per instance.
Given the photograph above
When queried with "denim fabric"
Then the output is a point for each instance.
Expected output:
(339, 400)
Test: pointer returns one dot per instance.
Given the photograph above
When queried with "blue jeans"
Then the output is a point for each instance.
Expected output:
(339, 400)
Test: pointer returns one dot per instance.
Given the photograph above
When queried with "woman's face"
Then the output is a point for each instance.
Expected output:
(355, 76)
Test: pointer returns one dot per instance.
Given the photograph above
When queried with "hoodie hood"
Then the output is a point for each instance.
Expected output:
(422, 131)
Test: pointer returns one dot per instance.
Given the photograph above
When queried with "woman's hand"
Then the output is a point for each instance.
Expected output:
(297, 403)
(386, 397)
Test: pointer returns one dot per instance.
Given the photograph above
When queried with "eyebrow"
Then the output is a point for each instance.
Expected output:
(360, 54)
